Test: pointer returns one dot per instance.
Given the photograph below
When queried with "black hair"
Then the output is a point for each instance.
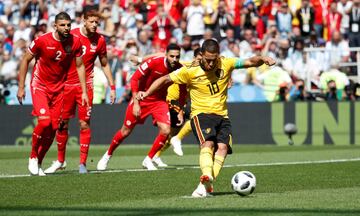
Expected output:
(172, 46)
(211, 46)
(197, 51)
(62, 16)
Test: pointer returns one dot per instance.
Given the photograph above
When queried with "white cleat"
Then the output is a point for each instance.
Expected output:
(148, 164)
(103, 162)
(82, 169)
(176, 143)
(158, 162)
(41, 172)
(55, 166)
(33, 166)
(200, 192)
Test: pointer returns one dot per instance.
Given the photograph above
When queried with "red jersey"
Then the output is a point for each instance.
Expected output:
(91, 49)
(53, 60)
(147, 73)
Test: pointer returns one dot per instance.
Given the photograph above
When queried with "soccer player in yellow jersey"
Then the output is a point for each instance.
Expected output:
(207, 83)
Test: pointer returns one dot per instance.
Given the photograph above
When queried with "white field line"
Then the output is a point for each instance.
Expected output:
(197, 167)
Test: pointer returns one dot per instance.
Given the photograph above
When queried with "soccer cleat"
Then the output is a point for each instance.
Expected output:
(33, 166)
(82, 169)
(56, 165)
(200, 192)
(207, 182)
(176, 143)
(158, 162)
(41, 172)
(148, 164)
(103, 162)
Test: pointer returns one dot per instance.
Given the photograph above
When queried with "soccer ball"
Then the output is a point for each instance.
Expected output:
(243, 183)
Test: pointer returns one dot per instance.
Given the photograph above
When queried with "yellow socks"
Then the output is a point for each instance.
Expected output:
(185, 130)
(206, 161)
(218, 164)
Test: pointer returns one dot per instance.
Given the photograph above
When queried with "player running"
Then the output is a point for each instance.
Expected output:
(54, 53)
(156, 105)
(208, 84)
(93, 46)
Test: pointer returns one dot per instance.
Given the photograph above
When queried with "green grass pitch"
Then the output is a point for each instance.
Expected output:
(292, 180)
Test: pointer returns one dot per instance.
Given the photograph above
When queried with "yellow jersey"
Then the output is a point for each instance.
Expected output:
(208, 90)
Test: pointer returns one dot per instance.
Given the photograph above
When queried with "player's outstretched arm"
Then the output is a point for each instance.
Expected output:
(157, 84)
(24, 64)
(257, 61)
(80, 67)
(107, 71)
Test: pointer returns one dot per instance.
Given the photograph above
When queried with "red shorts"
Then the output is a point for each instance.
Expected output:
(159, 110)
(47, 104)
(72, 98)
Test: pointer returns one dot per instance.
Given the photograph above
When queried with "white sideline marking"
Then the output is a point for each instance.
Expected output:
(197, 167)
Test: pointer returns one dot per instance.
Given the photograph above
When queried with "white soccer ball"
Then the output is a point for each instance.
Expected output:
(243, 183)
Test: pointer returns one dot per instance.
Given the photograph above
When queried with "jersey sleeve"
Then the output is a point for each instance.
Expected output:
(102, 47)
(35, 47)
(77, 47)
(180, 76)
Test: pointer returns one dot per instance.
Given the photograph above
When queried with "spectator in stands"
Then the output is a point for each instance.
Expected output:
(283, 19)
(13, 12)
(332, 21)
(162, 25)
(298, 91)
(194, 16)
(321, 9)
(221, 20)
(337, 49)
(306, 17)
(9, 67)
(144, 44)
(354, 29)
(344, 7)
(230, 37)
(32, 11)
(23, 32)
(249, 16)
(245, 44)
(333, 82)
(128, 20)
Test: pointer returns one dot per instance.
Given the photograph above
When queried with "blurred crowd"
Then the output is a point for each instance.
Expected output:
(282, 29)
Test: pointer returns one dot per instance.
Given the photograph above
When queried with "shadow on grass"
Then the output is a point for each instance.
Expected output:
(171, 211)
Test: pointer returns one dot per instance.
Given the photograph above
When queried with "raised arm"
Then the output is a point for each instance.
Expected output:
(24, 65)
(257, 61)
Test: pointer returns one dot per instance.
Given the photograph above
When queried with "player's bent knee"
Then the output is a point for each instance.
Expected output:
(84, 125)
(222, 149)
(125, 131)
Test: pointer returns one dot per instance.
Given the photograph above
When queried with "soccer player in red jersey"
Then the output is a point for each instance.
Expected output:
(93, 46)
(156, 105)
(54, 53)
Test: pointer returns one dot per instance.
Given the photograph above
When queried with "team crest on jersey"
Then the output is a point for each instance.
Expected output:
(93, 46)
(219, 73)
(207, 130)
(68, 49)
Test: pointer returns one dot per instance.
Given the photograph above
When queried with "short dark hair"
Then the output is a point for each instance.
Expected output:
(197, 52)
(91, 13)
(172, 46)
(62, 16)
(210, 45)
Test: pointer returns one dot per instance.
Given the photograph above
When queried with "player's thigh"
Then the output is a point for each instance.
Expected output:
(130, 120)
(84, 111)
(204, 127)
(224, 134)
(160, 112)
(69, 107)
(40, 102)
(56, 106)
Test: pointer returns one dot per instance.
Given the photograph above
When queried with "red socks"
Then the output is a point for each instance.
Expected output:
(157, 145)
(85, 138)
(117, 139)
(38, 135)
(46, 142)
(62, 138)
